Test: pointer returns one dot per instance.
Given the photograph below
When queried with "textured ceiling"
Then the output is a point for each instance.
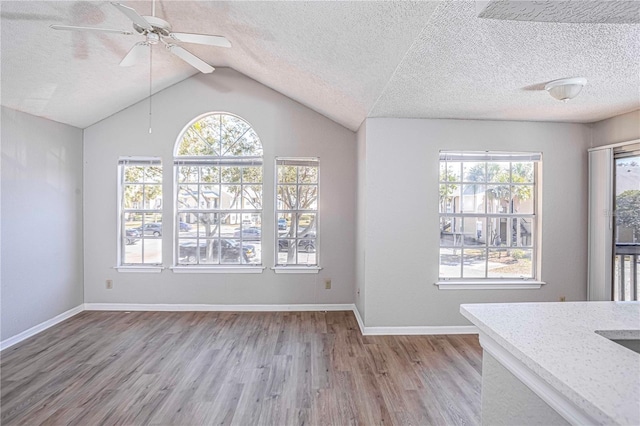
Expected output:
(603, 12)
(346, 60)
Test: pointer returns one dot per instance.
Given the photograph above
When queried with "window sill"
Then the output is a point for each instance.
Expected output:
(217, 269)
(296, 269)
(490, 285)
(140, 269)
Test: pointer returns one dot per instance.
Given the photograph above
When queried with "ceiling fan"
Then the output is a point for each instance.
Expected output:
(156, 31)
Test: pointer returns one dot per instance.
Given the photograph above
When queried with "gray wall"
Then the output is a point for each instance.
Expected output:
(621, 128)
(41, 220)
(286, 128)
(401, 235)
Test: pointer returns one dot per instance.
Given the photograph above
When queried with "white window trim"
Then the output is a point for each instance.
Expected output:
(226, 269)
(177, 160)
(490, 285)
(140, 267)
(506, 283)
(296, 269)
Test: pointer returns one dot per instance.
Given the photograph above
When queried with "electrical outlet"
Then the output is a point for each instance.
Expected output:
(109, 284)
(563, 299)
(327, 284)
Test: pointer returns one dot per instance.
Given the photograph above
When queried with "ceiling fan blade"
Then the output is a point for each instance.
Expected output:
(190, 58)
(211, 40)
(133, 15)
(102, 30)
(134, 54)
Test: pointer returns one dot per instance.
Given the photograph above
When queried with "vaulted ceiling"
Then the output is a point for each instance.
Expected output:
(346, 60)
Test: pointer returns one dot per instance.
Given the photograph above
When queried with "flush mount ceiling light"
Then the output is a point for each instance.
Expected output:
(565, 88)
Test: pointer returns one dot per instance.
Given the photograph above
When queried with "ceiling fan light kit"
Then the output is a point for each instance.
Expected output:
(565, 88)
(155, 30)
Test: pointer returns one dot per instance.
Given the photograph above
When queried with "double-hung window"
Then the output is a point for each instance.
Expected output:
(140, 208)
(488, 210)
(297, 193)
(218, 179)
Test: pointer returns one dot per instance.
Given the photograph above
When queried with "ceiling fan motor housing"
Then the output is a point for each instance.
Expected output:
(160, 26)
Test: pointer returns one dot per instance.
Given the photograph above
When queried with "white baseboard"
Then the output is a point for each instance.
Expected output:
(215, 308)
(412, 330)
(356, 312)
(420, 330)
(40, 327)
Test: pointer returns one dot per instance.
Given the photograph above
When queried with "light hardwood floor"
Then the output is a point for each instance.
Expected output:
(268, 368)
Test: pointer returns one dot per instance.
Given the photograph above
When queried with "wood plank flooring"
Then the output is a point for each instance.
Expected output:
(267, 368)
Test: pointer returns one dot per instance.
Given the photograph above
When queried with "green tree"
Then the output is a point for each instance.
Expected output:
(628, 211)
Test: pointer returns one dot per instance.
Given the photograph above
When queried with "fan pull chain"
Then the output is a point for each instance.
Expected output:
(150, 80)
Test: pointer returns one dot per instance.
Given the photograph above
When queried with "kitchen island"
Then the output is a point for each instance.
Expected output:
(559, 363)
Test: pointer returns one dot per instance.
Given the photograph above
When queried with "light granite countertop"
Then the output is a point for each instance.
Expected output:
(559, 343)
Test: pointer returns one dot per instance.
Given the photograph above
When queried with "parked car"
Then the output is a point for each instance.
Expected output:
(304, 244)
(282, 223)
(131, 236)
(230, 251)
(184, 226)
(154, 229)
(248, 233)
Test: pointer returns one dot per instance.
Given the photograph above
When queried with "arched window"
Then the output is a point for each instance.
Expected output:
(218, 180)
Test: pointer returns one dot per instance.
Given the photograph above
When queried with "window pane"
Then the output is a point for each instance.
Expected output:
(473, 172)
(451, 172)
(498, 231)
(475, 231)
(474, 265)
(208, 225)
(473, 198)
(209, 197)
(522, 172)
(230, 197)
(251, 252)
(230, 174)
(187, 251)
(510, 263)
(134, 174)
(522, 232)
(187, 174)
(152, 196)
(252, 174)
(286, 252)
(153, 174)
(308, 175)
(209, 250)
(132, 196)
(450, 262)
(252, 197)
(230, 251)
(287, 174)
(306, 224)
(450, 231)
(498, 172)
(498, 199)
(306, 252)
(232, 130)
(522, 198)
(210, 174)
(284, 223)
(152, 250)
(187, 196)
(192, 143)
(151, 225)
(308, 197)
(132, 254)
(287, 197)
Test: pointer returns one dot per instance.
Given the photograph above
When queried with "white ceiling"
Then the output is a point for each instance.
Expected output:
(347, 60)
